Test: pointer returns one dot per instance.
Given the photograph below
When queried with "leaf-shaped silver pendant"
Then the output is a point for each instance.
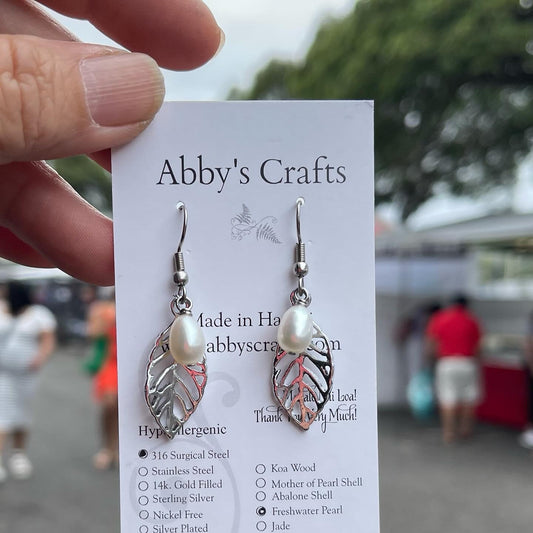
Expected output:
(302, 382)
(172, 390)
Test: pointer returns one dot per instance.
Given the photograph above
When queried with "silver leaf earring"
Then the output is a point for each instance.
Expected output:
(176, 374)
(303, 369)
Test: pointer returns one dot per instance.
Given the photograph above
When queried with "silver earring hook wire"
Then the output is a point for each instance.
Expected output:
(181, 303)
(299, 204)
(300, 295)
(180, 206)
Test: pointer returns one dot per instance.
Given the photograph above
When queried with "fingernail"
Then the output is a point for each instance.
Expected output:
(221, 42)
(122, 89)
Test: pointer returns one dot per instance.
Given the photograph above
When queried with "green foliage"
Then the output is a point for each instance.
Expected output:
(88, 179)
(269, 84)
(451, 80)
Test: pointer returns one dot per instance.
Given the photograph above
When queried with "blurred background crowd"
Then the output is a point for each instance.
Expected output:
(36, 318)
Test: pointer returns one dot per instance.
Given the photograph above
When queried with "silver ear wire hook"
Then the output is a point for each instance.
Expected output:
(299, 204)
(180, 276)
(180, 206)
(301, 268)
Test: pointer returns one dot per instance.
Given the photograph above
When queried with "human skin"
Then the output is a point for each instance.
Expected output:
(60, 97)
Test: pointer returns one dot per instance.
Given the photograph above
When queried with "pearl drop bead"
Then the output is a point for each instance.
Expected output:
(186, 341)
(295, 329)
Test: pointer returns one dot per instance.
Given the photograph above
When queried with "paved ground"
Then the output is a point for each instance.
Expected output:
(66, 494)
(485, 486)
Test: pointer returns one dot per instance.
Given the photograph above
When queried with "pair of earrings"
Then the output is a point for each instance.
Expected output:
(177, 373)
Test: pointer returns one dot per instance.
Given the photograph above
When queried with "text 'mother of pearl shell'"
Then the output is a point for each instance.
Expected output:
(186, 340)
(295, 330)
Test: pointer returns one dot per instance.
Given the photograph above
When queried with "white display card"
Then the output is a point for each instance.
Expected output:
(239, 465)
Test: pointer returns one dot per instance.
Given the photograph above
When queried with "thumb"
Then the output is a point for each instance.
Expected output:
(62, 98)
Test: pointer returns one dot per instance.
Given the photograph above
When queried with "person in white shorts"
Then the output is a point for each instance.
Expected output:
(27, 338)
(453, 337)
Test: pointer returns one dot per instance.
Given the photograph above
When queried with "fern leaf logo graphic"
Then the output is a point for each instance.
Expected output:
(244, 224)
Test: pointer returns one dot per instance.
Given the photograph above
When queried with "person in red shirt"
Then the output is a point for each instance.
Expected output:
(453, 337)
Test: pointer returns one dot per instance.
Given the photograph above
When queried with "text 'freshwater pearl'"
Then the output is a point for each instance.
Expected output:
(186, 341)
(295, 330)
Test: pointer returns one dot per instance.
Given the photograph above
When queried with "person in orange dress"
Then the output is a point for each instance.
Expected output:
(106, 394)
(102, 329)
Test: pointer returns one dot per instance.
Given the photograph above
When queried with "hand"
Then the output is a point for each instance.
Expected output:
(47, 342)
(59, 97)
(36, 364)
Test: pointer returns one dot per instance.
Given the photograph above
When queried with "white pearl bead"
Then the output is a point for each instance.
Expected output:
(186, 341)
(295, 329)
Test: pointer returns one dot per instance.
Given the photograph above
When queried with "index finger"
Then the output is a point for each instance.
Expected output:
(178, 34)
